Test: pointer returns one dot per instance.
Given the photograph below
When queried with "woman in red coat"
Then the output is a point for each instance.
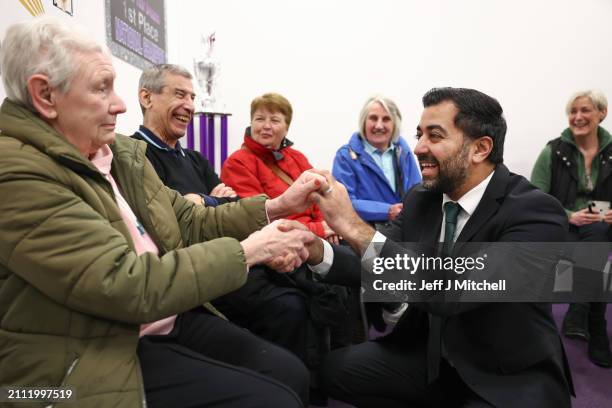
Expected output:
(267, 163)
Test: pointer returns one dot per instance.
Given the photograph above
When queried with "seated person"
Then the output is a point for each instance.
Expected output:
(446, 353)
(268, 164)
(377, 166)
(576, 169)
(97, 256)
(268, 301)
(165, 95)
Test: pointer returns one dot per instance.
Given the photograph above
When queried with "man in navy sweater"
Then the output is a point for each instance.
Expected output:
(166, 97)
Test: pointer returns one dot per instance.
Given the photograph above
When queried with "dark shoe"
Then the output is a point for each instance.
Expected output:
(575, 323)
(599, 346)
(599, 352)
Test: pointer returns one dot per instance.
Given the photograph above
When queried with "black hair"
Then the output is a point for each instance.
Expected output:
(479, 115)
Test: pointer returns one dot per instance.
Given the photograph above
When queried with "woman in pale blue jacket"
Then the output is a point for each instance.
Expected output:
(377, 166)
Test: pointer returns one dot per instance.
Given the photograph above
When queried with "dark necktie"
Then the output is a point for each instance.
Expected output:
(434, 343)
(451, 210)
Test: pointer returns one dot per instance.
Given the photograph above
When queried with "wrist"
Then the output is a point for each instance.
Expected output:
(251, 254)
(247, 253)
(359, 235)
(315, 252)
(274, 209)
(348, 225)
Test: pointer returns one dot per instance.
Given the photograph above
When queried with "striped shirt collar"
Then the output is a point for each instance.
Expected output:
(156, 142)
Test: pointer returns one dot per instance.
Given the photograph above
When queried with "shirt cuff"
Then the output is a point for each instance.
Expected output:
(209, 201)
(373, 250)
(321, 269)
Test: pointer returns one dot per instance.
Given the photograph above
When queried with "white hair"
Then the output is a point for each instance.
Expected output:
(597, 98)
(389, 106)
(42, 45)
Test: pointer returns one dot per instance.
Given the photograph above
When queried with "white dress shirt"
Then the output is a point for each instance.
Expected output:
(467, 205)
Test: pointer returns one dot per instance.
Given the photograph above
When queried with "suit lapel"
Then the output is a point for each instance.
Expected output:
(488, 206)
(431, 222)
(431, 233)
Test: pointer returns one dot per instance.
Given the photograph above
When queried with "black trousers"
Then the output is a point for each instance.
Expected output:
(276, 312)
(386, 374)
(209, 362)
(588, 281)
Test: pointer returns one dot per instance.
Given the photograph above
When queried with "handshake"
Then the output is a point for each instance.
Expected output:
(284, 245)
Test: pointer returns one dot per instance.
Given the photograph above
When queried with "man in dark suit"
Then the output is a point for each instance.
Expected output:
(452, 353)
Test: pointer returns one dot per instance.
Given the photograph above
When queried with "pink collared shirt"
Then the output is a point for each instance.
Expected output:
(102, 159)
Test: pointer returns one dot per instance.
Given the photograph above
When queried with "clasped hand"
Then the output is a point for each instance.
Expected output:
(280, 245)
(284, 245)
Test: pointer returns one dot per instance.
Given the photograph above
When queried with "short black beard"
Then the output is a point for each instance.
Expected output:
(452, 173)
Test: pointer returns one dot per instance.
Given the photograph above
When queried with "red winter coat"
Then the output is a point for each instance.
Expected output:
(248, 175)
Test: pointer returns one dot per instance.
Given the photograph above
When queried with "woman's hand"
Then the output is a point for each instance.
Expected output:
(608, 217)
(584, 217)
(329, 234)
(394, 211)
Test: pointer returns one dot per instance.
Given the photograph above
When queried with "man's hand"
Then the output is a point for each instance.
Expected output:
(333, 200)
(281, 245)
(315, 248)
(296, 198)
(221, 190)
(315, 252)
(194, 198)
(394, 210)
(584, 217)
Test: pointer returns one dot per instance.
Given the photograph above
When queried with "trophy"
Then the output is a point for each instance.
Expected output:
(206, 70)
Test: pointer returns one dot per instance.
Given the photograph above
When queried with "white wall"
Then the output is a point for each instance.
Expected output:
(327, 57)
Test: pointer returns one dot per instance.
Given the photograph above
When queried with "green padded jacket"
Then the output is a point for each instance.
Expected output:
(73, 292)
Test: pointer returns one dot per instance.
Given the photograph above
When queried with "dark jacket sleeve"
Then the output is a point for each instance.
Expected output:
(346, 268)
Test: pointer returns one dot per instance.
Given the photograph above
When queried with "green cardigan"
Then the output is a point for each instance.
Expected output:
(72, 290)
